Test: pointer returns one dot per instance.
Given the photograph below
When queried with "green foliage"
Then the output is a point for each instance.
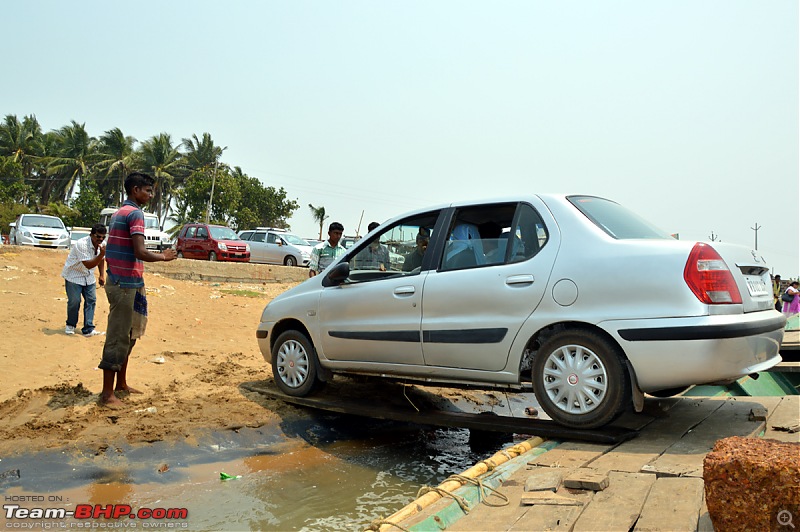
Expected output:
(9, 212)
(68, 215)
(43, 168)
(88, 204)
(12, 184)
(319, 216)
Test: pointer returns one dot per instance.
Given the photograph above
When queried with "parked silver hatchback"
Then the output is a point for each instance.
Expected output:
(576, 295)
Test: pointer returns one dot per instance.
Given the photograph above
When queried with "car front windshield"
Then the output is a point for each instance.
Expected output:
(295, 240)
(223, 233)
(151, 222)
(616, 220)
(42, 221)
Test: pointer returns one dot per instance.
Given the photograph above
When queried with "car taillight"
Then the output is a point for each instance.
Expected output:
(709, 278)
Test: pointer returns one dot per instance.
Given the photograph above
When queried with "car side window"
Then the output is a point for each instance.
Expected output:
(478, 236)
(529, 235)
(202, 232)
(258, 237)
(272, 238)
(246, 235)
(397, 250)
(191, 231)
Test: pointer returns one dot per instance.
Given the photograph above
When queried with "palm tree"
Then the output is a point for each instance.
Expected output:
(319, 216)
(22, 142)
(160, 158)
(72, 163)
(115, 157)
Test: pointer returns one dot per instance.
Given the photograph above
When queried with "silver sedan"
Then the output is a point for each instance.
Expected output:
(575, 295)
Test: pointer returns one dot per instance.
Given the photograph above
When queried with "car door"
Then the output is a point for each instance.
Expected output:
(258, 252)
(272, 249)
(376, 319)
(479, 297)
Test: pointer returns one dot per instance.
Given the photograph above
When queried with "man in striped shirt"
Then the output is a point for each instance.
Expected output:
(125, 256)
(84, 256)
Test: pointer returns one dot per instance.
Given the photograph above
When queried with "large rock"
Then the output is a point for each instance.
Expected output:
(750, 481)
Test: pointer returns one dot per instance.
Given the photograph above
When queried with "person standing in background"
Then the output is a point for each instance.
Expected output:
(328, 251)
(776, 292)
(125, 256)
(84, 256)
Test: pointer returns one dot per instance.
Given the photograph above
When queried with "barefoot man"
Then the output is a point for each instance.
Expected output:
(125, 291)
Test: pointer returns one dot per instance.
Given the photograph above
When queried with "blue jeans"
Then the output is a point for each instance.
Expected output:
(74, 294)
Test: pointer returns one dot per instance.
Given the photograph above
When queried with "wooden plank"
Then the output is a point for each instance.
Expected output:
(618, 506)
(551, 517)
(685, 457)
(654, 439)
(571, 454)
(786, 413)
(483, 517)
(673, 504)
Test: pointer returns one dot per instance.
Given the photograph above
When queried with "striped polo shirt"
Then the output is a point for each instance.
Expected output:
(124, 268)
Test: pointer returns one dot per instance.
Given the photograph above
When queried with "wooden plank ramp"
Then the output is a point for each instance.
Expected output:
(654, 481)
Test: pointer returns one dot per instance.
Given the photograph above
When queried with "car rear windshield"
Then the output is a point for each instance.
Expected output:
(615, 219)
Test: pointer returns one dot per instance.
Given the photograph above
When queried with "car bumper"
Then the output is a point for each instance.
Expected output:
(233, 257)
(675, 352)
(262, 336)
(35, 242)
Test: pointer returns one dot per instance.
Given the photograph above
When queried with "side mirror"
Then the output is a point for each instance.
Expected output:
(337, 275)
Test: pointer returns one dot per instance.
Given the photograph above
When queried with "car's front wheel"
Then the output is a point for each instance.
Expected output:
(180, 254)
(290, 261)
(579, 379)
(294, 364)
(212, 256)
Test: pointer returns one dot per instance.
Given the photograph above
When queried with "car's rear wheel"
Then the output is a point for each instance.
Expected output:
(294, 364)
(212, 256)
(580, 380)
(290, 261)
(180, 254)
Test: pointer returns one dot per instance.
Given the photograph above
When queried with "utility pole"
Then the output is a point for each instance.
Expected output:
(213, 182)
(756, 228)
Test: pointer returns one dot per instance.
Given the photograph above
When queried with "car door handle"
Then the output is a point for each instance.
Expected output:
(404, 290)
(520, 279)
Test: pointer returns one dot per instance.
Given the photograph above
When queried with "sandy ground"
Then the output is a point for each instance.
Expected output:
(199, 348)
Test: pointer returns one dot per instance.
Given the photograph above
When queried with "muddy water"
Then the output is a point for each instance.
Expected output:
(322, 473)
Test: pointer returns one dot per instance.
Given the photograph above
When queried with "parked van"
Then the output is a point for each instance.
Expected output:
(154, 238)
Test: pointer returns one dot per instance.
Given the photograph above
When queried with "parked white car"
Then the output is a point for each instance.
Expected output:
(154, 238)
(574, 295)
(270, 245)
(39, 230)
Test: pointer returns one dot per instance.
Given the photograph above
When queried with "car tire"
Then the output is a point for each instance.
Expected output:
(212, 256)
(669, 392)
(580, 380)
(295, 364)
(180, 254)
(290, 261)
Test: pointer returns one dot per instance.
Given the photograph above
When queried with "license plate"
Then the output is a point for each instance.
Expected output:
(757, 287)
(45, 243)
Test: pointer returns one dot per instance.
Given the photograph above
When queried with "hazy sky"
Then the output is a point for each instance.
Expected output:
(685, 111)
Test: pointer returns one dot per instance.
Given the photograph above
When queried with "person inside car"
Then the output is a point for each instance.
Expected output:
(414, 259)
